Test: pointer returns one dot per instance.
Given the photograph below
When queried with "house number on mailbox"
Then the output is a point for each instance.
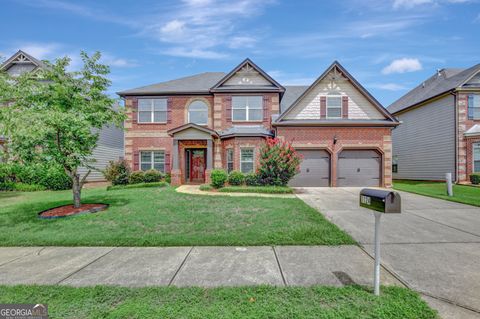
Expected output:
(365, 200)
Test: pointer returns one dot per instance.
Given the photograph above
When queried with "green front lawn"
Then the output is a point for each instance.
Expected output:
(163, 217)
(462, 194)
(240, 302)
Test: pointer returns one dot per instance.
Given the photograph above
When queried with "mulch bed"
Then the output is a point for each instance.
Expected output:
(69, 210)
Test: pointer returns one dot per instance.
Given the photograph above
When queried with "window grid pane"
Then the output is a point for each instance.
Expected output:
(246, 161)
(255, 102)
(247, 108)
(160, 116)
(229, 160)
(476, 158)
(145, 161)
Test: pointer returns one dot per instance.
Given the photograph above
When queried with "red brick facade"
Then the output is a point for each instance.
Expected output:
(163, 137)
(336, 139)
(465, 143)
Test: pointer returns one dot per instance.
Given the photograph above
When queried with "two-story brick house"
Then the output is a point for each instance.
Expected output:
(191, 125)
(440, 131)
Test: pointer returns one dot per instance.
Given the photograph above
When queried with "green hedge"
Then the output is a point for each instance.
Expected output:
(38, 175)
(218, 178)
(139, 185)
(475, 178)
(257, 189)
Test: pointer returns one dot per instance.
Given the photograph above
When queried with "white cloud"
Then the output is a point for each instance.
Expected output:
(408, 4)
(205, 28)
(402, 65)
(114, 61)
(38, 50)
(388, 86)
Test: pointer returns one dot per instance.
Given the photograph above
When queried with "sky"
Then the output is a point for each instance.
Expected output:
(389, 46)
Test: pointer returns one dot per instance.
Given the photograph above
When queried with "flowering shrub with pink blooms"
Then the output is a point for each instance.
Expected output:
(279, 162)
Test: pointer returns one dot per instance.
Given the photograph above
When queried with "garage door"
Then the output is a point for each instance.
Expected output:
(314, 169)
(358, 168)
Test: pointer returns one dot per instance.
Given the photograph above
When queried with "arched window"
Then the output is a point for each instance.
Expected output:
(198, 113)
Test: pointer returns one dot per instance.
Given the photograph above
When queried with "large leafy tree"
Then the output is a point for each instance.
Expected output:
(55, 115)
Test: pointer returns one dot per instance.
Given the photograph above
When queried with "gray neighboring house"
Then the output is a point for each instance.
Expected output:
(110, 143)
(440, 130)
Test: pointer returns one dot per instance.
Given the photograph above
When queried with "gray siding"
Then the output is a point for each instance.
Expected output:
(424, 144)
(110, 148)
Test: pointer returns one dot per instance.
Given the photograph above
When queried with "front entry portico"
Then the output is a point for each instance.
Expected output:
(192, 154)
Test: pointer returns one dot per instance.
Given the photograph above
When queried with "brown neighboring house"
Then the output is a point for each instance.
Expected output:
(191, 125)
(440, 131)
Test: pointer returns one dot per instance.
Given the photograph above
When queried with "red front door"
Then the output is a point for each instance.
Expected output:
(197, 165)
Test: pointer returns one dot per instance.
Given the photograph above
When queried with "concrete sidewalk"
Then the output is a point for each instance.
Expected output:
(433, 246)
(188, 266)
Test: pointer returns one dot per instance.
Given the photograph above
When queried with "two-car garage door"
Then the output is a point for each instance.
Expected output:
(354, 168)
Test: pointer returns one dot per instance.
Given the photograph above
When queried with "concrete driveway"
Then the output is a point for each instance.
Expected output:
(433, 246)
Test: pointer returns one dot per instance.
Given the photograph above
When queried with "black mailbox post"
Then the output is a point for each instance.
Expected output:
(381, 202)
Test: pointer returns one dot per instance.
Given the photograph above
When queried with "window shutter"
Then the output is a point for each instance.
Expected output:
(323, 107)
(136, 158)
(169, 110)
(345, 107)
(265, 108)
(134, 110)
(167, 162)
(227, 100)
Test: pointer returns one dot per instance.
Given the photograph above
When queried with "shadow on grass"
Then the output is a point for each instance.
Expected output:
(6, 195)
(18, 215)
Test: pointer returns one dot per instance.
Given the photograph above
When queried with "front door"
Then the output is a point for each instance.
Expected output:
(197, 167)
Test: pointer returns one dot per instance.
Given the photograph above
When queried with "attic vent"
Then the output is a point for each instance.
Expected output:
(21, 58)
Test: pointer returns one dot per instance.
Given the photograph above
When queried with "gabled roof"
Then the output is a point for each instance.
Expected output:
(191, 125)
(352, 80)
(441, 82)
(194, 84)
(21, 57)
(275, 87)
(292, 93)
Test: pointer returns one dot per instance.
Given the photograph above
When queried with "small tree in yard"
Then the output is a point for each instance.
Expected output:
(279, 162)
(55, 115)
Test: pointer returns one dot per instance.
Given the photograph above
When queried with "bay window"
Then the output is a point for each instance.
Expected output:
(247, 160)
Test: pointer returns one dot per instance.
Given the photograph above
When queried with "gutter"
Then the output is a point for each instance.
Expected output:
(336, 124)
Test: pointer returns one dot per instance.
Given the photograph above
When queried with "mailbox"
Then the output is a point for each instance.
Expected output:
(383, 201)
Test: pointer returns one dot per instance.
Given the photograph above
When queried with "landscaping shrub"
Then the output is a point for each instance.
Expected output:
(168, 178)
(236, 178)
(117, 172)
(252, 180)
(39, 176)
(257, 189)
(218, 178)
(279, 162)
(152, 175)
(475, 178)
(136, 177)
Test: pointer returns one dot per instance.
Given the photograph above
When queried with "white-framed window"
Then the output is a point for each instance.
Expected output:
(476, 158)
(152, 160)
(247, 108)
(247, 160)
(334, 106)
(152, 110)
(198, 113)
(474, 107)
(229, 160)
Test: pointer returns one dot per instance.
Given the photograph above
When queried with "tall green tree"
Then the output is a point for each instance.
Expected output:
(55, 115)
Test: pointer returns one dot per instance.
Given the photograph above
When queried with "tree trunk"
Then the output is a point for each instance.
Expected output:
(77, 190)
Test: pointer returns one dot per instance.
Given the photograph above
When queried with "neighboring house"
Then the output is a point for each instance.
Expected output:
(110, 142)
(440, 131)
(191, 125)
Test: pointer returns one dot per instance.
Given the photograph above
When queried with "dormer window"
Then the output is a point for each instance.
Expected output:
(247, 108)
(198, 113)
(334, 106)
